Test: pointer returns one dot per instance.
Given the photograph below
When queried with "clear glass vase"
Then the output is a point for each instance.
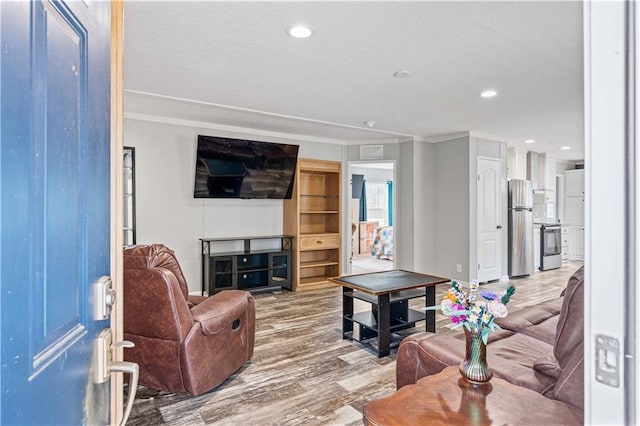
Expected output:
(474, 368)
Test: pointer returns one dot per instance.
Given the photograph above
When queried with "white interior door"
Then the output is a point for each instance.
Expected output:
(489, 223)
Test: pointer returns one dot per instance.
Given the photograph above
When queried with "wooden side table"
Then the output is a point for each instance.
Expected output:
(446, 399)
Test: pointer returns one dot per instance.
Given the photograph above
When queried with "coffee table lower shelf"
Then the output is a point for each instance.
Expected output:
(370, 321)
(366, 331)
(388, 293)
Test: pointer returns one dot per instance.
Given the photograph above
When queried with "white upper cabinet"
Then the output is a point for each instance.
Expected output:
(574, 197)
(574, 183)
(574, 211)
(546, 173)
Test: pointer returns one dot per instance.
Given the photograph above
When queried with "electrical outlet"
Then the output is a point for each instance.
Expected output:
(458, 268)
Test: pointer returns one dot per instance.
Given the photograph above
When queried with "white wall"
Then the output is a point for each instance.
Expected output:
(166, 211)
(372, 175)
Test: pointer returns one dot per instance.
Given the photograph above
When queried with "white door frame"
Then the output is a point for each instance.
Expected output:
(611, 217)
(117, 238)
(347, 222)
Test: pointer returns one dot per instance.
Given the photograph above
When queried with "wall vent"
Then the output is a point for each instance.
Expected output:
(371, 152)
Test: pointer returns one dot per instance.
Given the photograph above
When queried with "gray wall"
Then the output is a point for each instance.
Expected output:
(451, 208)
(404, 227)
(423, 207)
(166, 211)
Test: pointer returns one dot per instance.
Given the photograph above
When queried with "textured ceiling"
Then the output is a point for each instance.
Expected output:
(235, 59)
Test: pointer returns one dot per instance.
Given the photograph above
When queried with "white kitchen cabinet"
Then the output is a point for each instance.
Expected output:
(550, 177)
(546, 173)
(574, 211)
(574, 183)
(565, 243)
(576, 242)
(574, 197)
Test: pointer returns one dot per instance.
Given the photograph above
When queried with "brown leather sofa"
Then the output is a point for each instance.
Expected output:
(540, 348)
(183, 344)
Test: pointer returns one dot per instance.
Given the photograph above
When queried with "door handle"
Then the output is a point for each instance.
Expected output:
(133, 370)
(105, 366)
(499, 227)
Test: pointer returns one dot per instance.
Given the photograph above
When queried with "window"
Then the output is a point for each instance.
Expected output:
(377, 203)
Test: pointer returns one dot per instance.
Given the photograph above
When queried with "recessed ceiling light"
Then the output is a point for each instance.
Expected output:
(401, 74)
(529, 141)
(565, 148)
(300, 31)
(489, 93)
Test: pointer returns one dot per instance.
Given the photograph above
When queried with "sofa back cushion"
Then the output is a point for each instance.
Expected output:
(160, 256)
(154, 302)
(570, 330)
(569, 343)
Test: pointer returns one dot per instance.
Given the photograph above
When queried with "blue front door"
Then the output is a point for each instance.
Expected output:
(54, 208)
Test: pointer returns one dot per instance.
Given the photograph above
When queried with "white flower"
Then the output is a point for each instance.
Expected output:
(446, 306)
(497, 309)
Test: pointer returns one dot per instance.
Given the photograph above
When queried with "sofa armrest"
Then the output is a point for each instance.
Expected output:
(221, 311)
(423, 354)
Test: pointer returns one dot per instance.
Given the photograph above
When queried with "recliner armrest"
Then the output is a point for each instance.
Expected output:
(220, 311)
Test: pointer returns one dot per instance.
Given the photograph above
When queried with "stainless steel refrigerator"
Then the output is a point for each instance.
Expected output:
(520, 228)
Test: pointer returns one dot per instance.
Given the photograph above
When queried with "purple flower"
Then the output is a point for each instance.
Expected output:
(456, 319)
(489, 295)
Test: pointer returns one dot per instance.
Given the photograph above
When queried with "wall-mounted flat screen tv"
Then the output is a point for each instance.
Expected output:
(238, 168)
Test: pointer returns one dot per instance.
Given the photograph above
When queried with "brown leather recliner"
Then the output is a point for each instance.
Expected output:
(183, 344)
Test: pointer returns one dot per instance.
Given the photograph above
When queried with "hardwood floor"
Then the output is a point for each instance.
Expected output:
(302, 372)
(364, 263)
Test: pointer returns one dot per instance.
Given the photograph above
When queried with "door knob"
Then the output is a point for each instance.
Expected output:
(499, 227)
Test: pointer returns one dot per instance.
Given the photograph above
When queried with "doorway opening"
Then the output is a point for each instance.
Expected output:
(371, 210)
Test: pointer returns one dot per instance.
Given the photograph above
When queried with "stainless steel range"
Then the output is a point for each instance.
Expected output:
(550, 246)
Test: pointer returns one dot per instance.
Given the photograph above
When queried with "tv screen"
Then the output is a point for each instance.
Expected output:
(238, 168)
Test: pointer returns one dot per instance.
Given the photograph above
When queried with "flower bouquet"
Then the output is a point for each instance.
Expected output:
(476, 313)
(473, 312)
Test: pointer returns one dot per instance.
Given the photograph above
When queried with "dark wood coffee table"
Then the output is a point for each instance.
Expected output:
(446, 399)
(388, 293)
